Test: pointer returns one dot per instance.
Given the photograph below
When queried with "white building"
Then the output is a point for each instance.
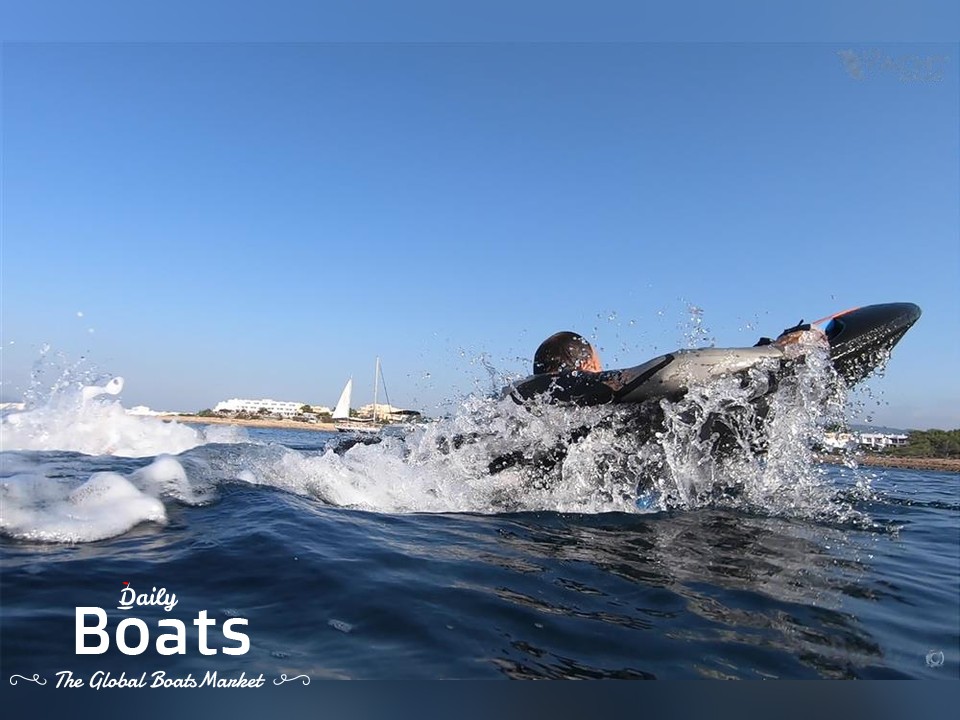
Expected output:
(274, 407)
(385, 412)
(874, 441)
(881, 441)
(839, 441)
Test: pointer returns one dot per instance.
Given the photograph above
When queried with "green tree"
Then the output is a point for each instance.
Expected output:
(931, 443)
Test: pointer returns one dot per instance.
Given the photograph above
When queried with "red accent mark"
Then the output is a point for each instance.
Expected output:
(835, 315)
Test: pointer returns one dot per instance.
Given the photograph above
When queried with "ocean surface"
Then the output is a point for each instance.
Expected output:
(409, 559)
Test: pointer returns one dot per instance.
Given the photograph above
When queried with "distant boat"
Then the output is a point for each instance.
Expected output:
(341, 413)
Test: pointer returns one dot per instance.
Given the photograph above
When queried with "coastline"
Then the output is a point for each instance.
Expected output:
(889, 461)
(285, 424)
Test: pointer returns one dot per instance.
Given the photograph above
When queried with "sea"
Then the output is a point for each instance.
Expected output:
(303, 555)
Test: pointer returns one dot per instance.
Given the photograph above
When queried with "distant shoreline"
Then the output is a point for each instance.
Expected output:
(938, 464)
(890, 461)
(285, 424)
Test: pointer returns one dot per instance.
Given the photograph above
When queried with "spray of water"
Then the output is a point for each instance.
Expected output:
(37, 507)
(737, 443)
(80, 411)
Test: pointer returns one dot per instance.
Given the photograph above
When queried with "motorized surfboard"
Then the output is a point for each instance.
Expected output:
(860, 340)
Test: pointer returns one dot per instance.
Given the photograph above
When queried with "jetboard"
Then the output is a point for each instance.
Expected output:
(860, 340)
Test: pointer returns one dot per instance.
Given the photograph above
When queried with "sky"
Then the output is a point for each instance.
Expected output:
(238, 219)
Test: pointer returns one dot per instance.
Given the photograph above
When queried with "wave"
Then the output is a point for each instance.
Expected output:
(717, 447)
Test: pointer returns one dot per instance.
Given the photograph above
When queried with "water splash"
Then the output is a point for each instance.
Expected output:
(723, 447)
(80, 411)
(734, 443)
(41, 508)
(694, 333)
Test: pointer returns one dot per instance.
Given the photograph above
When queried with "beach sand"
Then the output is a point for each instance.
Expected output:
(287, 424)
(889, 461)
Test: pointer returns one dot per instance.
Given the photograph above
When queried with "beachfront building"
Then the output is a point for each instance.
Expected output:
(386, 412)
(839, 441)
(273, 407)
(881, 441)
(873, 441)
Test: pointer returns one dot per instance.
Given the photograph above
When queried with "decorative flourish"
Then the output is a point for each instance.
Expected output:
(284, 679)
(35, 679)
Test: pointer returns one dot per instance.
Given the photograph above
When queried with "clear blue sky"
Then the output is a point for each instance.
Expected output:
(265, 219)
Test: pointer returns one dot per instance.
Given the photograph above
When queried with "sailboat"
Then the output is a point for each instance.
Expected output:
(341, 413)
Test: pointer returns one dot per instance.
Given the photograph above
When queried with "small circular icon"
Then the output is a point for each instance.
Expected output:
(935, 658)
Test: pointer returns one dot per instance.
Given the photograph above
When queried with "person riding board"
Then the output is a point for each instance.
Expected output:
(567, 369)
(566, 351)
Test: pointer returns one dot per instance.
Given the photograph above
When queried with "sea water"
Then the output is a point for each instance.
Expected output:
(410, 559)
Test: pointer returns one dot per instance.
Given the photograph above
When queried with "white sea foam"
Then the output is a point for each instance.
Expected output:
(87, 419)
(766, 463)
(166, 477)
(491, 456)
(35, 508)
(37, 505)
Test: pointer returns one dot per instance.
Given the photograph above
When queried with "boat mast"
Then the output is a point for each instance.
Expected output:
(376, 380)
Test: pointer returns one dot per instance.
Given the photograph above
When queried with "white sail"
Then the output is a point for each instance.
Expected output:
(342, 410)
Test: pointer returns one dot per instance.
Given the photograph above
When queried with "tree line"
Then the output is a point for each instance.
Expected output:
(930, 443)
